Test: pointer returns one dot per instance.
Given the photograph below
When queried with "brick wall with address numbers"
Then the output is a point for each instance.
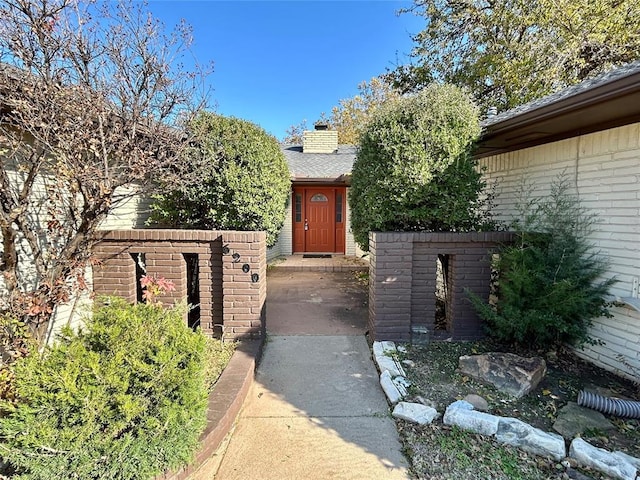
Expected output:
(231, 273)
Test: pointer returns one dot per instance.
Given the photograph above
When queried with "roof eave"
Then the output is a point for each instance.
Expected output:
(344, 179)
(552, 115)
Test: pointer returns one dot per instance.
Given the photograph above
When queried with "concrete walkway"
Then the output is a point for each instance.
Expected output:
(316, 409)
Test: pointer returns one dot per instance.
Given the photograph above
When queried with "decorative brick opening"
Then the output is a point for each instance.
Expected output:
(140, 261)
(417, 284)
(222, 273)
(193, 289)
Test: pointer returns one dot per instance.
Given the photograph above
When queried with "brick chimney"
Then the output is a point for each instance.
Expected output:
(320, 140)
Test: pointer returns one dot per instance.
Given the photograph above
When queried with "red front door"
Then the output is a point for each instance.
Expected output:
(318, 219)
(320, 230)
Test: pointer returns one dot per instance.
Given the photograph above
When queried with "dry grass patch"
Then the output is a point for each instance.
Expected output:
(218, 355)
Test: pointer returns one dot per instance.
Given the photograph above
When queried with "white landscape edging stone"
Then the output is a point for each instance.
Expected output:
(510, 431)
(614, 464)
(385, 355)
(392, 375)
(384, 348)
(462, 414)
(415, 412)
(389, 364)
(628, 458)
(389, 388)
(517, 433)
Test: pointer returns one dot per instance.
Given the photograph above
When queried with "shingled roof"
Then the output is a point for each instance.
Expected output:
(319, 166)
(600, 80)
(608, 100)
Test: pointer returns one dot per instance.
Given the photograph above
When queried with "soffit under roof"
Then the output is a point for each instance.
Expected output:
(607, 101)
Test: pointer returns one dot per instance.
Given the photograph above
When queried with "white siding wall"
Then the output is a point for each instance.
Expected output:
(284, 245)
(351, 247)
(130, 214)
(605, 170)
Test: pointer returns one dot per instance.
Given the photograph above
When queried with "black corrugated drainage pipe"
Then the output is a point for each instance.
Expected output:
(610, 406)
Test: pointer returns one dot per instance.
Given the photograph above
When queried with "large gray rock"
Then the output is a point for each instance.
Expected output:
(517, 433)
(574, 420)
(415, 412)
(478, 402)
(462, 414)
(611, 464)
(508, 372)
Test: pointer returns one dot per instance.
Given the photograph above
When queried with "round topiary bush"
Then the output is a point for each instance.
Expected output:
(413, 170)
(243, 180)
(125, 398)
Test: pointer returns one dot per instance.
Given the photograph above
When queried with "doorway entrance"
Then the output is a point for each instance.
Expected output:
(319, 219)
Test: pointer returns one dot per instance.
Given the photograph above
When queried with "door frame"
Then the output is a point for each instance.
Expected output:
(298, 210)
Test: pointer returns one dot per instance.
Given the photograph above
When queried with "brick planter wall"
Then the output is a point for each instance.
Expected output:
(402, 283)
(231, 299)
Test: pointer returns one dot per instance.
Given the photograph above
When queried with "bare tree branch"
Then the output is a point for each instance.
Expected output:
(93, 101)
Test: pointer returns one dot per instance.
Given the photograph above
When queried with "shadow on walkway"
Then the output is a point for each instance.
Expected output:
(316, 409)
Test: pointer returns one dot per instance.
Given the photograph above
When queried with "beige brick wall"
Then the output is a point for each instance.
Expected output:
(319, 141)
(604, 169)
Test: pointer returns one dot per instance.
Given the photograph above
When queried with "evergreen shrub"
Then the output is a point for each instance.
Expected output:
(16, 342)
(551, 282)
(124, 398)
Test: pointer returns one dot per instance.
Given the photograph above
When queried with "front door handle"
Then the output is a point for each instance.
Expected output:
(306, 225)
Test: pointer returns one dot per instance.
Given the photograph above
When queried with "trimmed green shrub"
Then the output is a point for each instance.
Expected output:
(16, 342)
(413, 171)
(243, 180)
(550, 281)
(125, 398)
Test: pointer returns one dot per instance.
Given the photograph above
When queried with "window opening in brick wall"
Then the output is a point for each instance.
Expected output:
(140, 261)
(193, 289)
(441, 320)
(494, 283)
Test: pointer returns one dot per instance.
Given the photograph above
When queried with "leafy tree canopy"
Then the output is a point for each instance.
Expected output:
(241, 180)
(413, 171)
(351, 114)
(294, 134)
(509, 52)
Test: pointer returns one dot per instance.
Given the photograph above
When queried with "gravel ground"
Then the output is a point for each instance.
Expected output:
(438, 451)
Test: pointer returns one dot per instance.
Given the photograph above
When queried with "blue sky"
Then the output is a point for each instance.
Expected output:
(277, 63)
